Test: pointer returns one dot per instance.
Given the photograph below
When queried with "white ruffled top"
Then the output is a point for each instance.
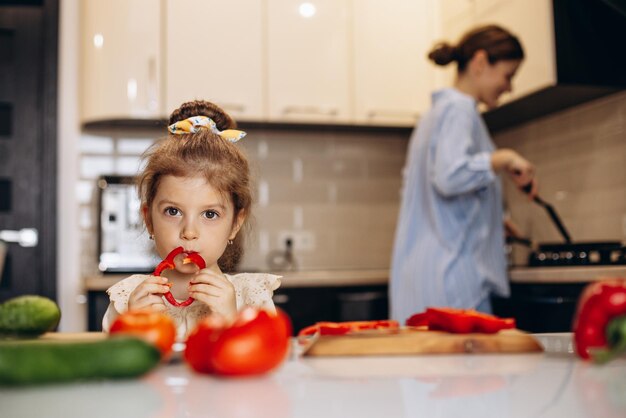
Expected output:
(251, 289)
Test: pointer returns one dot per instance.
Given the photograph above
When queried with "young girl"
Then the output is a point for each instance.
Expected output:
(449, 245)
(196, 194)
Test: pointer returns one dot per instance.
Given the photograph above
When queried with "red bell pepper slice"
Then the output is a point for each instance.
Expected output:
(460, 321)
(168, 264)
(342, 328)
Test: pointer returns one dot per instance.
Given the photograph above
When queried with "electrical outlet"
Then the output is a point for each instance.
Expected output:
(300, 240)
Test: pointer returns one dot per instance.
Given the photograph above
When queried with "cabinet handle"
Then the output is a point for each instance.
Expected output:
(280, 298)
(373, 113)
(313, 110)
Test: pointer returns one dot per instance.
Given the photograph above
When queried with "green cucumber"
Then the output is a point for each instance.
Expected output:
(28, 316)
(28, 362)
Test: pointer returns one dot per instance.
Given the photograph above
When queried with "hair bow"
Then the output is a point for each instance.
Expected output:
(195, 123)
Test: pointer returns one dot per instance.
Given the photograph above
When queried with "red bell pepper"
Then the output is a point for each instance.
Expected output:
(460, 321)
(600, 323)
(342, 328)
(255, 343)
(168, 264)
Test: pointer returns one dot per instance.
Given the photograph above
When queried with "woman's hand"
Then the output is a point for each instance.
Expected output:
(522, 171)
(148, 295)
(216, 291)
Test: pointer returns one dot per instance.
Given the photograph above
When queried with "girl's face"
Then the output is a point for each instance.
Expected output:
(189, 212)
(495, 79)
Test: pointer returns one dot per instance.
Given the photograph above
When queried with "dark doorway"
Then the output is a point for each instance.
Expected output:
(28, 94)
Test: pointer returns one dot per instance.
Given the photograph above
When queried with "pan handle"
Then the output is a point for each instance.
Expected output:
(556, 219)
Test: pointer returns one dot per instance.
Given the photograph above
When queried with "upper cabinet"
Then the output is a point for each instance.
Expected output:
(308, 53)
(121, 60)
(392, 78)
(318, 61)
(215, 52)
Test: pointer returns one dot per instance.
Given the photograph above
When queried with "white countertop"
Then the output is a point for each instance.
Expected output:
(305, 278)
(551, 384)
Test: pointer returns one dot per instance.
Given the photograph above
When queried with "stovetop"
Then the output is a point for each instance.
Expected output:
(605, 253)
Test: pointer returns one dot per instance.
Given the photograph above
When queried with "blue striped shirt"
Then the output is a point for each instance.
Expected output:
(449, 243)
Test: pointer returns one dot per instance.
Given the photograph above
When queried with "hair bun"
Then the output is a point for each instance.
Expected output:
(203, 108)
(443, 54)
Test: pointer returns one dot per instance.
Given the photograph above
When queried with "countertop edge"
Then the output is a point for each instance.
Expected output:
(575, 274)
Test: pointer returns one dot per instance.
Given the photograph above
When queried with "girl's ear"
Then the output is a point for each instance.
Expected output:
(237, 224)
(146, 218)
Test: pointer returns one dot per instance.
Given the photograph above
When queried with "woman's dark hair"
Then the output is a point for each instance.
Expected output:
(497, 42)
(221, 162)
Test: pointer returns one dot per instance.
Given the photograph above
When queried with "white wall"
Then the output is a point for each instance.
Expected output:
(69, 284)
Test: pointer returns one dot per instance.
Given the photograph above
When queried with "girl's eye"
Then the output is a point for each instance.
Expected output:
(171, 211)
(210, 214)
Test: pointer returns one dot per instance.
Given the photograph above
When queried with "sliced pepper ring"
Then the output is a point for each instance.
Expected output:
(168, 264)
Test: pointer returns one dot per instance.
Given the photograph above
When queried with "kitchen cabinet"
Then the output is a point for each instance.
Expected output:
(308, 305)
(326, 61)
(393, 78)
(215, 52)
(539, 308)
(121, 60)
(305, 305)
(308, 58)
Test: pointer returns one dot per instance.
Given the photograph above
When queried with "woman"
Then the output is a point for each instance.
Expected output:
(449, 245)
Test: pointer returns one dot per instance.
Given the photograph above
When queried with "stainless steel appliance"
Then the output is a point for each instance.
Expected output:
(123, 242)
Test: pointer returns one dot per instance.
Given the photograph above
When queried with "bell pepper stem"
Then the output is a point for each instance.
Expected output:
(616, 341)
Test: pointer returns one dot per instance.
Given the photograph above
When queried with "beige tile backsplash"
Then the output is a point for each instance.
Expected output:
(580, 156)
(341, 187)
(344, 187)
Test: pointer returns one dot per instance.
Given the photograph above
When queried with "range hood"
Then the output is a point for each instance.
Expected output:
(590, 46)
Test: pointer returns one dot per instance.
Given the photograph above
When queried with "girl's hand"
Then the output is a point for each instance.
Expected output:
(215, 291)
(148, 295)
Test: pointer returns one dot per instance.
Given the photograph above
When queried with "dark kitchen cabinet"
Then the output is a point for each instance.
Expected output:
(305, 305)
(540, 307)
(308, 305)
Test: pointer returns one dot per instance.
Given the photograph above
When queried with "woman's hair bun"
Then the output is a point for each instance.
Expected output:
(203, 108)
(443, 53)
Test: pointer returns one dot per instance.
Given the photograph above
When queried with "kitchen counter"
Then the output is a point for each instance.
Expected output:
(310, 278)
(551, 384)
(575, 274)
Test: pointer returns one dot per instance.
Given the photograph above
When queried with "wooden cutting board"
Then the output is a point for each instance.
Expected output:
(412, 341)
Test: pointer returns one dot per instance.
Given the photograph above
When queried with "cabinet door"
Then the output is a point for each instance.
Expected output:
(535, 29)
(214, 52)
(393, 77)
(308, 60)
(121, 59)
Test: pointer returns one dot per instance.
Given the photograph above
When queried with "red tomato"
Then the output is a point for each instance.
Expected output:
(155, 327)
(255, 343)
